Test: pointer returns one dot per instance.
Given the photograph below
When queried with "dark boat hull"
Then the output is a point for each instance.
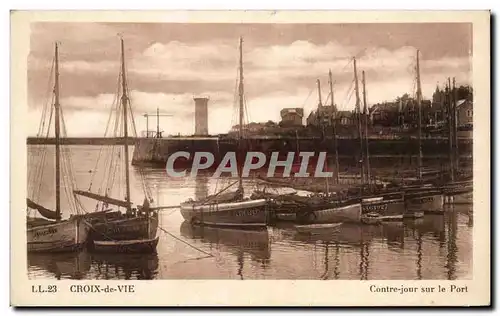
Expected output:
(124, 228)
(385, 207)
(347, 213)
(428, 202)
(249, 214)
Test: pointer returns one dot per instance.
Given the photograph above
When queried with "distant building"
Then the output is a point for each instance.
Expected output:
(385, 114)
(440, 105)
(255, 128)
(464, 113)
(292, 117)
(345, 118)
(401, 112)
(323, 116)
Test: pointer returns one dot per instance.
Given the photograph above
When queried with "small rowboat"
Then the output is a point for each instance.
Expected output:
(371, 218)
(316, 228)
(127, 246)
(391, 218)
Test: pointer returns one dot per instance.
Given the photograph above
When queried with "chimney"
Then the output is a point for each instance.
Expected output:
(201, 116)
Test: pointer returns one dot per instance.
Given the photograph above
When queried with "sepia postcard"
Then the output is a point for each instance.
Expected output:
(250, 158)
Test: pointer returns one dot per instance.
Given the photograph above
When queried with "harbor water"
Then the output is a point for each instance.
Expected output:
(433, 247)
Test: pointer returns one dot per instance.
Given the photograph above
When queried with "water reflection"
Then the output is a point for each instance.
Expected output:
(432, 226)
(418, 238)
(201, 188)
(451, 258)
(72, 265)
(256, 243)
(125, 266)
(355, 235)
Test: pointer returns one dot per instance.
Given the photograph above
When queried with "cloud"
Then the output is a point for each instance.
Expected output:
(168, 75)
(298, 54)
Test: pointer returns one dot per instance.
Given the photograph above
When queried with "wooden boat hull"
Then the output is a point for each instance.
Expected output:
(430, 202)
(384, 207)
(67, 235)
(127, 246)
(350, 213)
(124, 228)
(244, 214)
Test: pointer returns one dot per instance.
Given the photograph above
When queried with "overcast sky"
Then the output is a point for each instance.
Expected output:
(168, 64)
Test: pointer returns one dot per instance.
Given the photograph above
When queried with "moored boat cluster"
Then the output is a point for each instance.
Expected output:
(110, 230)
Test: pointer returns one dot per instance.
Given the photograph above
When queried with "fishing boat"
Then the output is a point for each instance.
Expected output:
(383, 203)
(51, 233)
(423, 198)
(422, 202)
(230, 209)
(358, 202)
(348, 211)
(321, 208)
(286, 206)
(459, 188)
(112, 230)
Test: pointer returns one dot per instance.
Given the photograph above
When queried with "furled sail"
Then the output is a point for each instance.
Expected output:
(102, 198)
(45, 212)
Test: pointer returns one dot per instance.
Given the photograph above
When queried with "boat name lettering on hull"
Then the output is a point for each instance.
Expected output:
(250, 212)
(46, 232)
(382, 207)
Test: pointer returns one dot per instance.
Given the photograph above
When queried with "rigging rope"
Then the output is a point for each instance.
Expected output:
(348, 96)
(104, 148)
(45, 107)
(185, 242)
(38, 159)
(145, 188)
(37, 194)
(67, 168)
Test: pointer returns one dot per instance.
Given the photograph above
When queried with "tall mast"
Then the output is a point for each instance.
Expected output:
(334, 127)
(157, 122)
(455, 123)
(241, 92)
(125, 127)
(419, 105)
(360, 131)
(318, 83)
(365, 119)
(57, 135)
(450, 128)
